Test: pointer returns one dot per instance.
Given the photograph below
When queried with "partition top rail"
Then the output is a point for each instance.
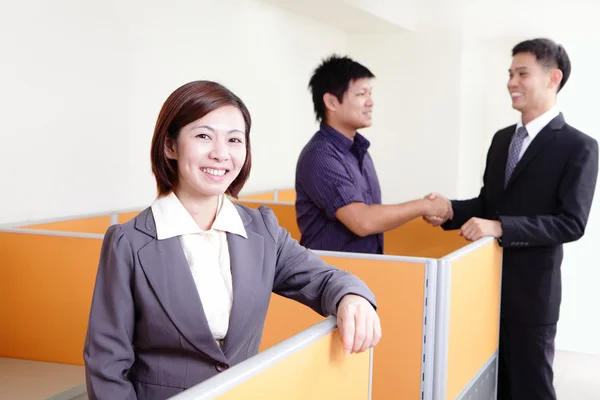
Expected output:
(455, 255)
(52, 233)
(15, 224)
(369, 256)
(265, 202)
(245, 370)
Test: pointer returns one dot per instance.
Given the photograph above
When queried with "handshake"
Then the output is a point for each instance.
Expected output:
(438, 209)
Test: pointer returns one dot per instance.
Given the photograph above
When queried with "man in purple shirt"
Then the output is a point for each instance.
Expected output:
(338, 198)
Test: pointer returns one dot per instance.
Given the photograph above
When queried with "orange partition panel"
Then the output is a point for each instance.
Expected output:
(266, 196)
(45, 295)
(288, 195)
(318, 371)
(474, 314)
(84, 225)
(419, 239)
(127, 216)
(400, 289)
(286, 216)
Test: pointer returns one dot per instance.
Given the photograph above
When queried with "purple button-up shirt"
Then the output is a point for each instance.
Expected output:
(334, 171)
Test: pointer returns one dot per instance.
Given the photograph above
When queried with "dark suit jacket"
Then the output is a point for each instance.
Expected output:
(546, 203)
(148, 337)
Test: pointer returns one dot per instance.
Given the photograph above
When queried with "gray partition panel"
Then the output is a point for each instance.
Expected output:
(371, 351)
(114, 218)
(79, 392)
(429, 315)
(483, 385)
(442, 326)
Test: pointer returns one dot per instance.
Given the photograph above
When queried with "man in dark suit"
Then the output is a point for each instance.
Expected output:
(538, 187)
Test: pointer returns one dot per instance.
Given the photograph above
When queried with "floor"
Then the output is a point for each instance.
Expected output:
(34, 380)
(577, 376)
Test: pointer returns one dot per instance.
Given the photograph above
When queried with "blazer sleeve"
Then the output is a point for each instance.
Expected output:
(575, 192)
(463, 211)
(302, 276)
(108, 352)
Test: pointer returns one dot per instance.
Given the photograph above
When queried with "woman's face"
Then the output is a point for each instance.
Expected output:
(210, 152)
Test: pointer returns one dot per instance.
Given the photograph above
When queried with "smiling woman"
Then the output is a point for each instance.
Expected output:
(182, 290)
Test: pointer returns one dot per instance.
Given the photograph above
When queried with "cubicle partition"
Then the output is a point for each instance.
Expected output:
(281, 195)
(45, 293)
(46, 283)
(461, 294)
(308, 365)
(438, 300)
(405, 290)
(467, 322)
(93, 224)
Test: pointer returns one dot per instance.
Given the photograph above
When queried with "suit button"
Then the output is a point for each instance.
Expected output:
(221, 367)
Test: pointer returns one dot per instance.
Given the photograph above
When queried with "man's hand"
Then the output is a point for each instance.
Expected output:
(358, 324)
(476, 228)
(441, 210)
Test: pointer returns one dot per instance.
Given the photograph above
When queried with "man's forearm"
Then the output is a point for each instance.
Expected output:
(380, 218)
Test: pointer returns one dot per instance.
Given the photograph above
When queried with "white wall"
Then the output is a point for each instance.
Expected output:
(263, 54)
(63, 78)
(82, 85)
(471, 134)
(403, 13)
(579, 328)
(416, 113)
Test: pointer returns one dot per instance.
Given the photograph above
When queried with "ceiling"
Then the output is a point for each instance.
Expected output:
(486, 18)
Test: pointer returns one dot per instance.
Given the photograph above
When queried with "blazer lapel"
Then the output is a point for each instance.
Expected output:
(246, 256)
(169, 274)
(540, 141)
(503, 148)
(246, 260)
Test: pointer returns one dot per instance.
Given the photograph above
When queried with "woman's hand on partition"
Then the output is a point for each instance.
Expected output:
(358, 324)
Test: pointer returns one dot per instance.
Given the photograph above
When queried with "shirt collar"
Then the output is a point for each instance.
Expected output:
(534, 127)
(342, 142)
(172, 219)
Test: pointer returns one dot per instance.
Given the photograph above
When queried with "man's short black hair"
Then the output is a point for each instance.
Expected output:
(547, 53)
(334, 76)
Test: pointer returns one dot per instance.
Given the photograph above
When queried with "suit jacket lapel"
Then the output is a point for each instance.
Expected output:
(246, 258)
(169, 275)
(503, 148)
(539, 142)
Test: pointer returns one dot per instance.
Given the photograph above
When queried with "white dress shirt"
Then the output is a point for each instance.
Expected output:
(206, 252)
(534, 127)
